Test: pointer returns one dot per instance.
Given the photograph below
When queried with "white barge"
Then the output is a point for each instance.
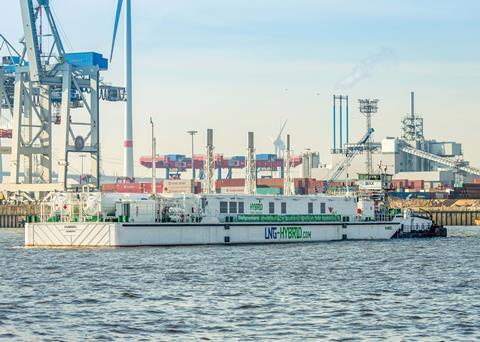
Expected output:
(89, 219)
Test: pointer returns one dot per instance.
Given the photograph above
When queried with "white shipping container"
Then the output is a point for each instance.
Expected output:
(232, 190)
(179, 191)
(178, 186)
(171, 183)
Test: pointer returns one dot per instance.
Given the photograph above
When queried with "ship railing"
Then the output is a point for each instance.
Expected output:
(383, 217)
(344, 191)
(417, 227)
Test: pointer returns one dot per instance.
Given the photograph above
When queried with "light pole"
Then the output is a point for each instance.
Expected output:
(81, 175)
(154, 159)
(192, 133)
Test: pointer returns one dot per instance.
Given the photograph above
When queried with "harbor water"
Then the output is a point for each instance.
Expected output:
(411, 289)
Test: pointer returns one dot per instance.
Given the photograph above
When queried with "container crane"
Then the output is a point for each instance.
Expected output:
(50, 85)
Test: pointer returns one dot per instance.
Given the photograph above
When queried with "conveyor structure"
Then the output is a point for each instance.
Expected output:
(458, 165)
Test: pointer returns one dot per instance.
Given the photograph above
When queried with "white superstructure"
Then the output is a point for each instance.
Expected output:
(97, 219)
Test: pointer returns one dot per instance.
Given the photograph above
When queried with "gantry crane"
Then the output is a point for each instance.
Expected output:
(54, 87)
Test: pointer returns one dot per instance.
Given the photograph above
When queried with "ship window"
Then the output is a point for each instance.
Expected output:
(223, 207)
(284, 207)
(271, 207)
(233, 207)
(310, 207)
(241, 209)
(322, 208)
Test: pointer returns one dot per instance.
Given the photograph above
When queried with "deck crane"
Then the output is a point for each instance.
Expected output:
(54, 85)
(352, 151)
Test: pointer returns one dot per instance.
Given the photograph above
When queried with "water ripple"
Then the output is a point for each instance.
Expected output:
(346, 291)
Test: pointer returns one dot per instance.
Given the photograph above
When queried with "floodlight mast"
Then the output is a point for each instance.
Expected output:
(368, 107)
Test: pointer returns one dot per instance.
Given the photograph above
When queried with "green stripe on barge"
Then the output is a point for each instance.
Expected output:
(289, 218)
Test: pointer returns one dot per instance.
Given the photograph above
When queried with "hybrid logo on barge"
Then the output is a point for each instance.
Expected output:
(286, 233)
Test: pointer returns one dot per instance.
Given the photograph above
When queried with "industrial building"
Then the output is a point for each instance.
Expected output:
(408, 157)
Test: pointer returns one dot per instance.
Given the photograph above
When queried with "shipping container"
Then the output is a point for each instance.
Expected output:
(266, 157)
(230, 182)
(232, 190)
(6, 133)
(175, 186)
(268, 191)
(270, 182)
(175, 157)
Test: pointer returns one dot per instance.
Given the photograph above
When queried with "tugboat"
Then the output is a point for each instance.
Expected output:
(412, 225)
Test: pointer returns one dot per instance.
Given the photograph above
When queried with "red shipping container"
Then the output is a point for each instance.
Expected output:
(230, 182)
(270, 182)
(147, 187)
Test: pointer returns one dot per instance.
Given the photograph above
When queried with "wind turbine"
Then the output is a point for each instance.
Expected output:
(278, 143)
(128, 129)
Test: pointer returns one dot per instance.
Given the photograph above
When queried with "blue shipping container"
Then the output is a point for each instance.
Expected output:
(175, 157)
(266, 156)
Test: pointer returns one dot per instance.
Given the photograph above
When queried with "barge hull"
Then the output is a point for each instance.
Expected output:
(112, 234)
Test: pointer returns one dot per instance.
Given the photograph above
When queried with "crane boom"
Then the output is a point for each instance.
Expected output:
(351, 154)
(31, 40)
(53, 27)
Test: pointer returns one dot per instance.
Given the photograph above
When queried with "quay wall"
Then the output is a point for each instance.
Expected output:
(15, 215)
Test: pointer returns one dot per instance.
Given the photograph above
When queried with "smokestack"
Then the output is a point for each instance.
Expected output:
(412, 104)
(209, 137)
(287, 180)
(251, 176)
(209, 181)
(250, 140)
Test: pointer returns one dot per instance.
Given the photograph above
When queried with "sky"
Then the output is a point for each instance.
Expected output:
(239, 66)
